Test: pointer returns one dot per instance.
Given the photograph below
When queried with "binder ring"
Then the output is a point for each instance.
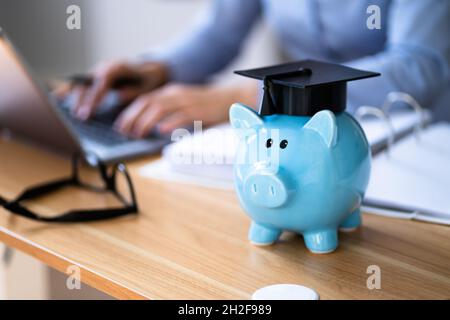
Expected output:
(409, 100)
(380, 114)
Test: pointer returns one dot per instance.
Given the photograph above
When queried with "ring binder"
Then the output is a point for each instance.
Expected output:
(407, 99)
(363, 111)
(411, 183)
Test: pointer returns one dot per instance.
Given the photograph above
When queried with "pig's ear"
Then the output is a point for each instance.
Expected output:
(243, 118)
(324, 123)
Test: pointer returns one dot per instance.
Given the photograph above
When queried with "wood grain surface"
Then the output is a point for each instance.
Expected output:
(191, 243)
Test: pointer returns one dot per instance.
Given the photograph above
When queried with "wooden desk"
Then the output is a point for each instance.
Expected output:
(192, 243)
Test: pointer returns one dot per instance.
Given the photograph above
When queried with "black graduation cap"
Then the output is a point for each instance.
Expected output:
(305, 87)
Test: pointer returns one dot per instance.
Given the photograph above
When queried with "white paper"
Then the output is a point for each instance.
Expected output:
(162, 170)
(416, 172)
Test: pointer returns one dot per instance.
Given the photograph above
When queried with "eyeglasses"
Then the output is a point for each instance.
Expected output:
(111, 180)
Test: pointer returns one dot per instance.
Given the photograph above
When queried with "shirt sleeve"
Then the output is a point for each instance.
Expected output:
(416, 57)
(214, 41)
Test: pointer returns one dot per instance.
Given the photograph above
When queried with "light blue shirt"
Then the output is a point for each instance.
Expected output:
(411, 50)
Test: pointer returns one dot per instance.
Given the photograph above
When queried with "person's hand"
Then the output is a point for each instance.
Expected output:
(174, 106)
(150, 76)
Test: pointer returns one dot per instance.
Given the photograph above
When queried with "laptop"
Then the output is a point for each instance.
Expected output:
(28, 110)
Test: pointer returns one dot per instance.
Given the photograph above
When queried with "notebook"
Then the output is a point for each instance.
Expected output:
(412, 180)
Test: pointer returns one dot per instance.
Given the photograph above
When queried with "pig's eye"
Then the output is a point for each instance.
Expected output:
(269, 143)
(283, 144)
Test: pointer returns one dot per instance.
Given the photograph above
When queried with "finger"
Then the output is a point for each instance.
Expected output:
(95, 95)
(173, 122)
(129, 116)
(79, 94)
(104, 75)
(154, 114)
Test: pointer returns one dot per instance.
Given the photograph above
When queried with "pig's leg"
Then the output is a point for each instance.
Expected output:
(352, 222)
(262, 235)
(323, 241)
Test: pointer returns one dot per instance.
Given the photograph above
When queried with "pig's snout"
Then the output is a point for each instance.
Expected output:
(266, 190)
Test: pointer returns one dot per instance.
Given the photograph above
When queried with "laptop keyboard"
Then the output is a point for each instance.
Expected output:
(97, 130)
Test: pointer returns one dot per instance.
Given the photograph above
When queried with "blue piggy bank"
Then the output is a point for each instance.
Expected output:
(299, 173)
